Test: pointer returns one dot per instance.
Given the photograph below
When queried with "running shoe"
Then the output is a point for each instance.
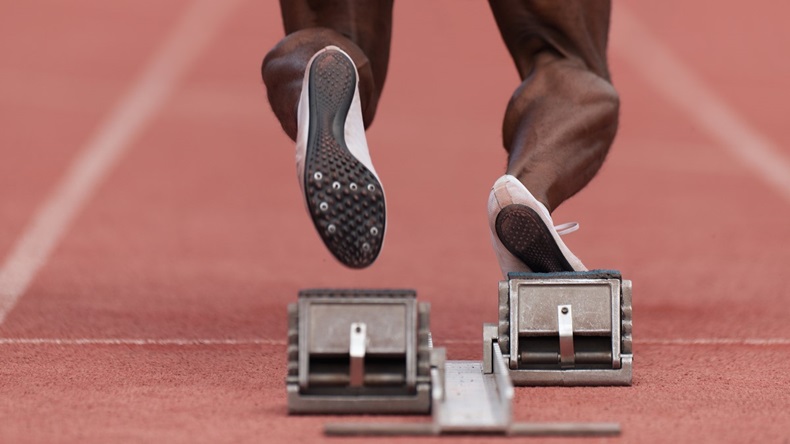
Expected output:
(522, 232)
(342, 191)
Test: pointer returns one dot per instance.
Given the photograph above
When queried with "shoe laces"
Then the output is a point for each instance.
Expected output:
(567, 228)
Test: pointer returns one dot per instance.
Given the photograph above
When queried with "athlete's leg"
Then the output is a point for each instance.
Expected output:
(557, 129)
(361, 29)
(324, 80)
(562, 119)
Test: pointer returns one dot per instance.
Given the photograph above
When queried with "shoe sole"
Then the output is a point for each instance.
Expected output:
(344, 198)
(526, 236)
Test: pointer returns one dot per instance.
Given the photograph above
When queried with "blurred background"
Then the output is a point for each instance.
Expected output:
(191, 225)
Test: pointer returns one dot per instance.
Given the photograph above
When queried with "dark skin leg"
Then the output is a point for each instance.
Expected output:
(562, 119)
(361, 29)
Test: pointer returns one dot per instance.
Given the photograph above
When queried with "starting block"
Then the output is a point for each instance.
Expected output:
(371, 352)
(359, 351)
(564, 328)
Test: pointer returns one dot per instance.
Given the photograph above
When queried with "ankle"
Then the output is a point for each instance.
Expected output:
(537, 187)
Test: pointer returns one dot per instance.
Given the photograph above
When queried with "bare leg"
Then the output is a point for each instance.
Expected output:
(562, 119)
(361, 29)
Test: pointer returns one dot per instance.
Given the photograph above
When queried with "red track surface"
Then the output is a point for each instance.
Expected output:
(199, 233)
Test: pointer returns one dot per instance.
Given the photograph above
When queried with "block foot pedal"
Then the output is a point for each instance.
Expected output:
(358, 351)
(570, 328)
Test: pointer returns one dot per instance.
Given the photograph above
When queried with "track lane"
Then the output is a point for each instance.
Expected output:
(57, 81)
(187, 240)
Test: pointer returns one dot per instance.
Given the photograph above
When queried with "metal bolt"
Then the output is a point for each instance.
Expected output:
(564, 310)
(353, 186)
(371, 187)
(336, 185)
(331, 229)
(323, 206)
(365, 246)
(318, 175)
(374, 231)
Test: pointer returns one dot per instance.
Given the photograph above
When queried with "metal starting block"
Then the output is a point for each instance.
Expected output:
(563, 329)
(370, 351)
(358, 351)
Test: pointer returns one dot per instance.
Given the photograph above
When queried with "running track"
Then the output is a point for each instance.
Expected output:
(153, 234)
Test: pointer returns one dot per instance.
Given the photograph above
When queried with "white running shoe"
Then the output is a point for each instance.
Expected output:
(342, 191)
(522, 232)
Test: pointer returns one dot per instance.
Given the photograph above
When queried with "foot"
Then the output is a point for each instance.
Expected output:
(342, 192)
(523, 234)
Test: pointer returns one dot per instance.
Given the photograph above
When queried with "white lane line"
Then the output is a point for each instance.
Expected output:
(127, 341)
(686, 90)
(102, 152)
(655, 341)
(716, 341)
(282, 342)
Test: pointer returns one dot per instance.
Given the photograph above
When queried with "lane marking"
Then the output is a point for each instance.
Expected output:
(127, 341)
(655, 341)
(716, 341)
(265, 341)
(687, 91)
(167, 66)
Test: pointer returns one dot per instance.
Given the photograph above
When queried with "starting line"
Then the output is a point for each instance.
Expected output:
(187, 342)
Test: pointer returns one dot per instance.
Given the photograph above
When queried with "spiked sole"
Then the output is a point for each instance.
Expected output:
(344, 198)
(526, 236)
